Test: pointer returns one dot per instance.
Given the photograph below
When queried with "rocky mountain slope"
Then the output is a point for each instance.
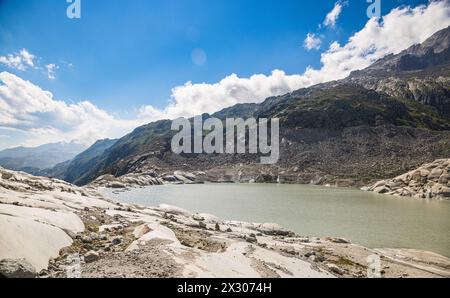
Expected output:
(435, 51)
(379, 122)
(50, 228)
(33, 160)
(420, 73)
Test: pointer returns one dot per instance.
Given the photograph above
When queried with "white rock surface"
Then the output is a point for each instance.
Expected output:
(173, 210)
(37, 215)
(27, 239)
(64, 220)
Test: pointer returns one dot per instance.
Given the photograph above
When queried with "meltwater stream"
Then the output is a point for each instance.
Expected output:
(376, 221)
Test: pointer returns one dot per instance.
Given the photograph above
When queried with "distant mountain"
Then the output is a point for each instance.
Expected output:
(378, 122)
(74, 169)
(420, 73)
(435, 51)
(32, 160)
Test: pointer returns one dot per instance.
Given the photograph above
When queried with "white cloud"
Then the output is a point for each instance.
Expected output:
(33, 112)
(27, 57)
(312, 42)
(51, 68)
(24, 60)
(20, 61)
(333, 15)
(398, 30)
(192, 99)
(39, 118)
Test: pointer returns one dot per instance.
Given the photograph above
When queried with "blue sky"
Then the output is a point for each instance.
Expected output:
(129, 53)
(124, 55)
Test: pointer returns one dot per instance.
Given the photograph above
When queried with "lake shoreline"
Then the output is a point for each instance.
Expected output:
(311, 210)
(124, 240)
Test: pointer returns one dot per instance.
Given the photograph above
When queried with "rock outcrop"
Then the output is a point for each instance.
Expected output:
(430, 181)
(146, 178)
(16, 269)
(128, 180)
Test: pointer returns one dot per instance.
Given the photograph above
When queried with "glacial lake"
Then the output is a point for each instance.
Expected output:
(365, 218)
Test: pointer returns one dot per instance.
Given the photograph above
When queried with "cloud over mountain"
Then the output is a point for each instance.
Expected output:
(398, 30)
(28, 110)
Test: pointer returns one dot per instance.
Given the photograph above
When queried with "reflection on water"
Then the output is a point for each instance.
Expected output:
(364, 218)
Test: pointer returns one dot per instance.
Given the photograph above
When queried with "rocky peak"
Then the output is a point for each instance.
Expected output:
(437, 43)
(420, 73)
(432, 52)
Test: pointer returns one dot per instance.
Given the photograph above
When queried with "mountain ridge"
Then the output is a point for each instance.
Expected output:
(368, 126)
(420, 73)
(71, 169)
(35, 159)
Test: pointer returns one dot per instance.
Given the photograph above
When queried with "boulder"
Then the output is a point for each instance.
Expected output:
(379, 183)
(334, 269)
(187, 175)
(217, 227)
(416, 176)
(251, 239)
(91, 256)
(444, 178)
(170, 178)
(338, 240)
(198, 217)
(116, 240)
(173, 210)
(407, 192)
(21, 268)
(381, 189)
(444, 192)
(435, 174)
(6, 175)
(116, 185)
(394, 184)
(424, 172)
(272, 229)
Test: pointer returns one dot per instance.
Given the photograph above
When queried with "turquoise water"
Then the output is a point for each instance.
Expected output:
(365, 218)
